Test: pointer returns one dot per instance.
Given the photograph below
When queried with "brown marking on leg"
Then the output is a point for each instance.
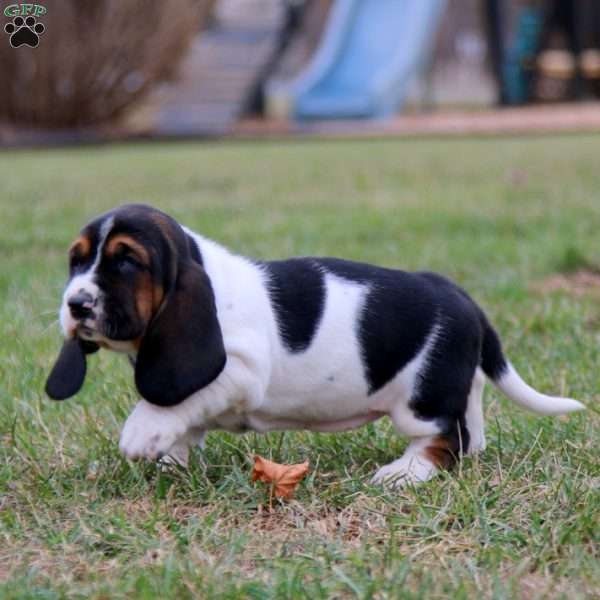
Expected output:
(126, 242)
(442, 452)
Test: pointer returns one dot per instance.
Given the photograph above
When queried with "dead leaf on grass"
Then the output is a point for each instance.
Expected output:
(284, 478)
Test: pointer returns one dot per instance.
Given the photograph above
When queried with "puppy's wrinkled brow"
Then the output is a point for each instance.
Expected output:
(122, 240)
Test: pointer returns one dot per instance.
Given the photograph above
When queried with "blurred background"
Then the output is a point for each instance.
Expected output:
(114, 69)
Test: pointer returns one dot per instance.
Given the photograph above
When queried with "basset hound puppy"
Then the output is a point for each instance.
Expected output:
(219, 341)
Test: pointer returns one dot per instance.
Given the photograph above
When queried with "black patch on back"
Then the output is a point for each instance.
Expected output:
(297, 292)
(400, 311)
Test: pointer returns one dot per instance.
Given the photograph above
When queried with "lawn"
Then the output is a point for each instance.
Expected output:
(497, 215)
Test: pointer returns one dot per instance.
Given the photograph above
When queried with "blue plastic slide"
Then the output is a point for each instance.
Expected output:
(371, 51)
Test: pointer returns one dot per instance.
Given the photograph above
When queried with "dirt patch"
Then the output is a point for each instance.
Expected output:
(583, 282)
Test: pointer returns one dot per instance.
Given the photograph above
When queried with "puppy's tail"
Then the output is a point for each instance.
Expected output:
(506, 378)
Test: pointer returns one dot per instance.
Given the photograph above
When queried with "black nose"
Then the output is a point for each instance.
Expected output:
(81, 305)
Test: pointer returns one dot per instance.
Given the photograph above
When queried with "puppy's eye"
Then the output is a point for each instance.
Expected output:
(126, 263)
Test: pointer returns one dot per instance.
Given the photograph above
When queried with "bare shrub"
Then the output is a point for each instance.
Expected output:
(95, 59)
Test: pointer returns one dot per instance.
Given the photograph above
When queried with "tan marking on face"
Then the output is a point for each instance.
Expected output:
(158, 296)
(122, 240)
(440, 453)
(81, 247)
(144, 297)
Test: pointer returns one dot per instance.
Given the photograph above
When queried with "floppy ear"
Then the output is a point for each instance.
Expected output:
(182, 350)
(68, 373)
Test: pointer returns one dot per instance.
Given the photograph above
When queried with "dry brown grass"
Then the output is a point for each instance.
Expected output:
(583, 282)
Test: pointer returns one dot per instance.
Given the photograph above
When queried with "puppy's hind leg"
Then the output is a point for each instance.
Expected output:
(437, 443)
(423, 458)
(413, 466)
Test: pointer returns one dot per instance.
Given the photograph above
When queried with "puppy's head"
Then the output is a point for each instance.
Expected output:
(137, 285)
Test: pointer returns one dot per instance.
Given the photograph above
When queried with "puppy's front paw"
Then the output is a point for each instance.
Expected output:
(151, 431)
(179, 456)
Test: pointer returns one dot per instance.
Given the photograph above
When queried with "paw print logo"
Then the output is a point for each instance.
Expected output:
(24, 32)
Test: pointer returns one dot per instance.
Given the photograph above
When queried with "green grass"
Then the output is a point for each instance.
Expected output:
(497, 215)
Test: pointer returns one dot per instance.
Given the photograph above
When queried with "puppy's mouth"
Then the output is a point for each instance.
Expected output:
(92, 338)
(89, 331)
(88, 338)
(86, 332)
